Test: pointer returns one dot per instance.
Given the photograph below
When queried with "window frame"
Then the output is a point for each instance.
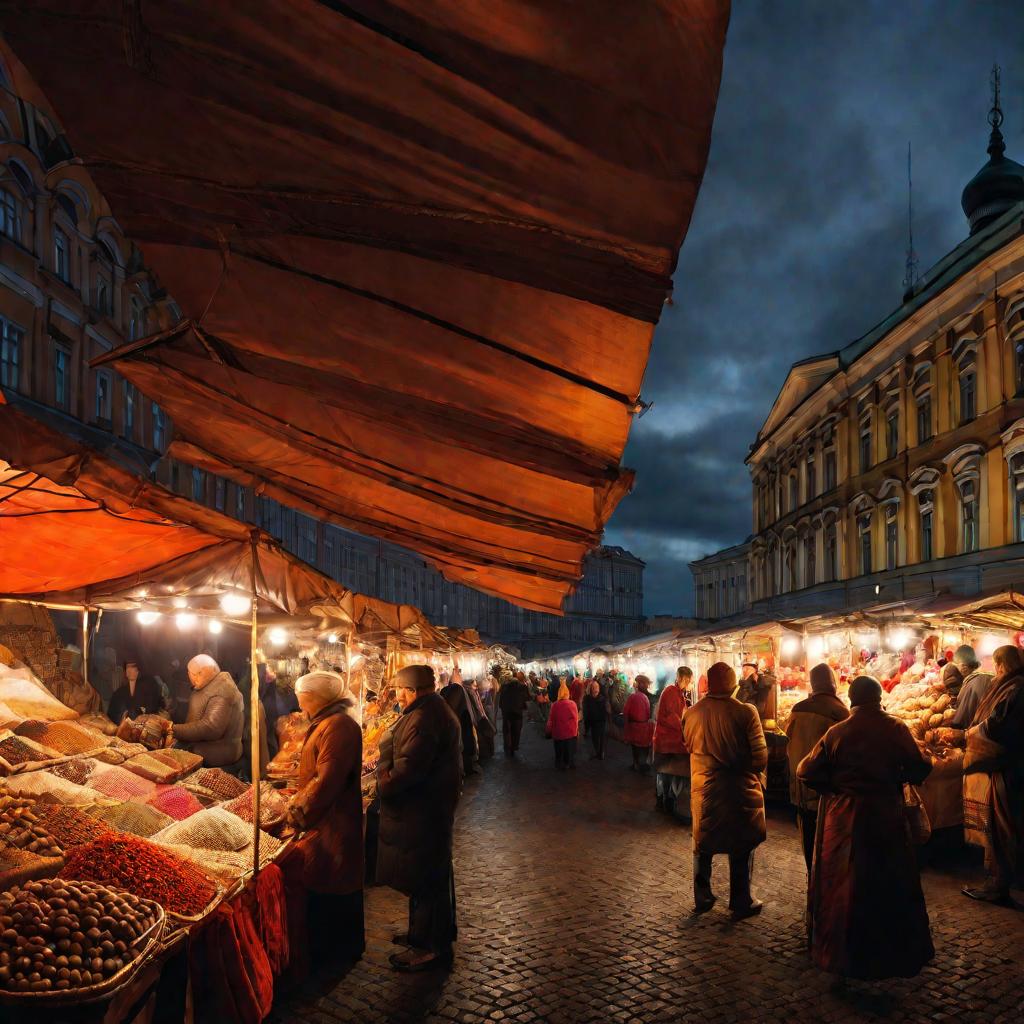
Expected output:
(62, 255)
(892, 536)
(12, 339)
(129, 397)
(864, 524)
(12, 216)
(61, 377)
(103, 396)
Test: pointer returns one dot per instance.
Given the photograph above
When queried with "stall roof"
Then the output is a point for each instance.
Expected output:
(78, 529)
(421, 248)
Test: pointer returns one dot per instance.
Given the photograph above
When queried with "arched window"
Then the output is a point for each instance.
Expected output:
(965, 463)
(1015, 336)
(966, 360)
(891, 535)
(892, 428)
(794, 491)
(137, 321)
(864, 421)
(828, 457)
(69, 206)
(789, 555)
(810, 559)
(926, 524)
(831, 566)
(1017, 495)
(864, 529)
(968, 515)
(811, 476)
(922, 386)
(12, 216)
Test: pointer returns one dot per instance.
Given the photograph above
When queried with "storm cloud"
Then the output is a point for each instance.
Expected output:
(798, 240)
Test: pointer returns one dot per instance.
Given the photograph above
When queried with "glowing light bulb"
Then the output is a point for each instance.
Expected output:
(235, 604)
(333, 638)
(278, 636)
(215, 626)
(180, 602)
(147, 618)
(185, 620)
(790, 645)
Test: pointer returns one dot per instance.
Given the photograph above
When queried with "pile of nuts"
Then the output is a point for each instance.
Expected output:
(19, 827)
(57, 935)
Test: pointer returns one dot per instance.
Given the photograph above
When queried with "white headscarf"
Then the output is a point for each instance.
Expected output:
(326, 685)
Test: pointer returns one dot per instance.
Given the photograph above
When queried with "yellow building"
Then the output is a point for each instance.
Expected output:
(894, 468)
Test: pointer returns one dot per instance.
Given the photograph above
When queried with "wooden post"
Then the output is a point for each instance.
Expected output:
(254, 717)
(85, 646)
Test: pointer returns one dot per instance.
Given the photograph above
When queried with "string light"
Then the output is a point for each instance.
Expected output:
(185, 620)
(333, 638)
(235, 604)
(215, 626)
(278, 636)
(180, 602)
(147, 618)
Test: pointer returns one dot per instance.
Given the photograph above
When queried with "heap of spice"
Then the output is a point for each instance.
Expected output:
(14, 752)
(64, 737)
(19, 827)
(273, 807)
(219, 783)
(138, 819)
(70, 826)
(76, 770)
(57, 935)
(144, 869)
(175, 801)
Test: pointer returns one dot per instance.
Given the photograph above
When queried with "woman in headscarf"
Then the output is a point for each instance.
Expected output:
(327, 811)
(994, 779)
(638, 729)
(809, 720)
(671, 759)
(866, 910)
(563, 727)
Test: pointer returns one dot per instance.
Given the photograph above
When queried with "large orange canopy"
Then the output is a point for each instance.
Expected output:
(421, 246)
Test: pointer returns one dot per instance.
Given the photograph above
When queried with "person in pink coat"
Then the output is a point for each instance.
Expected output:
(563, 727)
(639, 729)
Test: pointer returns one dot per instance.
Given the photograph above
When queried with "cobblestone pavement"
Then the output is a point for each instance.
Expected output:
(575, 905)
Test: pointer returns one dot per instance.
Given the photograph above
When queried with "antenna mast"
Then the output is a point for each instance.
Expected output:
(910, 273)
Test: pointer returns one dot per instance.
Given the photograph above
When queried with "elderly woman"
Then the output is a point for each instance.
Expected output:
(216, 715)
(866, 910)
(563, 727)
(671, 758)
(327, 810)
(638, 730)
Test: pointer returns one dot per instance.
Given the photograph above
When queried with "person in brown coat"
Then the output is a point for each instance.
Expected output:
(808, 722)
(419, 779)
(728, 757)
(866, 910)
(327, 809)
(216, 715)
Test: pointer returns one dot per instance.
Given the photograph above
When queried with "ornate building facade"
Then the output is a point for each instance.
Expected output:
(720, 583)
(894, 467)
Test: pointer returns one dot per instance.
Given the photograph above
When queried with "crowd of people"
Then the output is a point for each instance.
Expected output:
(851, 776)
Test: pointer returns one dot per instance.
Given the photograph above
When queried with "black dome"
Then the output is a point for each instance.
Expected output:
(995, 188)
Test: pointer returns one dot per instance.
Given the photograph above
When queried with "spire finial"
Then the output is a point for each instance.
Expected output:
(910, 277)
(996, 146)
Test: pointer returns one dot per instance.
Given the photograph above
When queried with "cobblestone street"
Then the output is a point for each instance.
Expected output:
(575, 905)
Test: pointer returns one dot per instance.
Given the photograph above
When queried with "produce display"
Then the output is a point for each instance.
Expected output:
(184, 760)
(144, 868)
(120, 784)
(24, 696)
(218, 783)
(19, 827)
(273, 806)
(291, 733)
(175, 801)
(77, 770)
(57, 935)
(63, 737)
(211, 829)
(70, 826)
(46, 785)
(16, 751)
(151, 731)
(134, 818)
(152, 768)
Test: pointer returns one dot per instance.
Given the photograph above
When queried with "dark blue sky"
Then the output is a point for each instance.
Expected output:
(798, 241)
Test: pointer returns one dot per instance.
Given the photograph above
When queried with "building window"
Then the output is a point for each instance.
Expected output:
(762, 500)
(61, 377)
(1017, 495)
(129, 410)
(831, 476)
(864, 525)
(794, 492)
(61, 255)
(104, 301)
(175, 477)
(892, 432)
(891, 536)
(924, 417)
(810, 569)
(220, 488)
(865, 445)
(812, 481)
(968, 516)
(11, 217)
(240, 502)
(137, 322)
(831, 568)
(103, 397)
(11, 337)
(968, 380)
(927, 528)
(159, 428)
(198, 484)
(789, 566)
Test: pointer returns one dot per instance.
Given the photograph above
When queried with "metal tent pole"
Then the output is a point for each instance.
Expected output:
(254, 717)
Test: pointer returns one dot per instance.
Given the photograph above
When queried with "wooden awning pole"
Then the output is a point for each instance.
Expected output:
(254, 718)
(85, 646)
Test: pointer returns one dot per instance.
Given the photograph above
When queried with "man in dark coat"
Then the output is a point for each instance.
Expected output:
(512, 700)
(419, 779)
(454, 695)
(758, 689)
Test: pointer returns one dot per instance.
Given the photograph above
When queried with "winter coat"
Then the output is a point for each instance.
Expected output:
(514, 697)
(808, 722)
(759, 690)
(865, 906)
(454, 695)
(576, 691)
(595, 709)
(728, 755)
(639, 729)
(668, 727)
(213, 725)
(328, 802)
(146, 698)
(419, 779)
(564, 720)
(972, 693)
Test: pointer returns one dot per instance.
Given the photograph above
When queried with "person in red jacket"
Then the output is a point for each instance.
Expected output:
(563, 727)
(639, 729)
(671, 760)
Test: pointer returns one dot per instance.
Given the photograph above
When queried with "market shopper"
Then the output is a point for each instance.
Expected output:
(138, 695)
(327, 811)
(758, 688)
(671, 760)
(512, 700)
(975, 686)
(564, 727)
(216, 715)
(454, 695)
(809, 720)
(638, 729)
(728, 757)
(994, 780)
(419, 779)
(595, 718)
(866, 911)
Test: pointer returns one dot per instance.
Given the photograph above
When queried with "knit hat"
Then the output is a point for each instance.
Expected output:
(721, 678)
(327, 685)
(415, 677)
(865, 690)
(823, 679)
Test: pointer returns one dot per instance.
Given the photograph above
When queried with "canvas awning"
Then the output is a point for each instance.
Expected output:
(77, 529)
(423, 245)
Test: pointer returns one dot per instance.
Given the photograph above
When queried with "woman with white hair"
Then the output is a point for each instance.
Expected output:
(327, 809)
